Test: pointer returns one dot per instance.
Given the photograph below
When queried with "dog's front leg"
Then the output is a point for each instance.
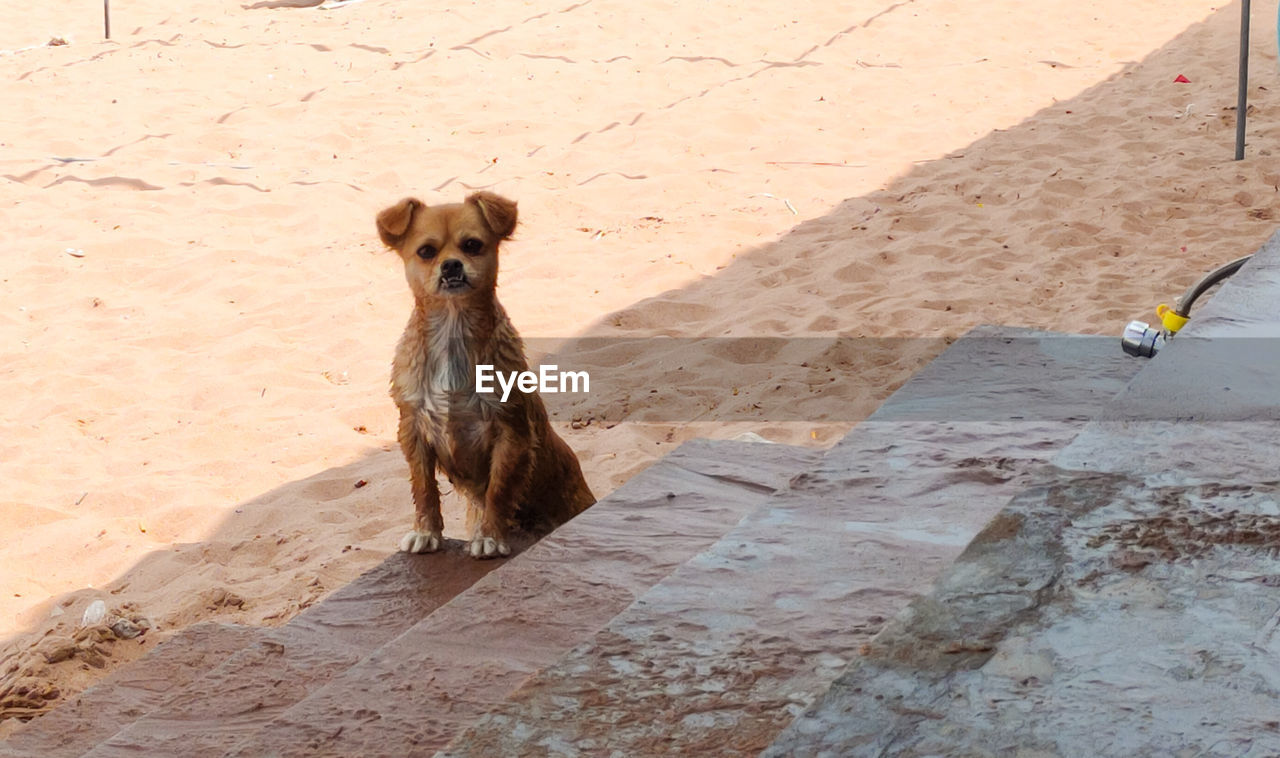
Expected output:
(508, 478)
(428, 523)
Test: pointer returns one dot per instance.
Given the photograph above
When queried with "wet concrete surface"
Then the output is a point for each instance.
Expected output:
(1092, 617)
(720, 656)
(1125, 606)
(128, 693)
(253, 685)
(408, 697)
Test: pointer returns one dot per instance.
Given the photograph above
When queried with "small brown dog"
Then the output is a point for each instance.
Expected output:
(504, 457)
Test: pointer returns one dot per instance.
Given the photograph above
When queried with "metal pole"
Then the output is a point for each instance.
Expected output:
(1242, 100)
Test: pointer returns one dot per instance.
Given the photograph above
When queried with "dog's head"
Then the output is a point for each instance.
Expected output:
(449, 251)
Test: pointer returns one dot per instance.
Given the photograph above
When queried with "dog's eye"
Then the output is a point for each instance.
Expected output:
(427, 252)
(472, 246)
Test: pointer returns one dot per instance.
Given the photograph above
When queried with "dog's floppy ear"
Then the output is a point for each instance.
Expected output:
(393, 222)
(498, 212)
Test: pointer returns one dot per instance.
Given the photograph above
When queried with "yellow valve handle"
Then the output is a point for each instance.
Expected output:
(1171, 320)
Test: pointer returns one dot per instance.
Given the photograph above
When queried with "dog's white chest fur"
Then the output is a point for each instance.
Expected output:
(436, 375)
(448, 358)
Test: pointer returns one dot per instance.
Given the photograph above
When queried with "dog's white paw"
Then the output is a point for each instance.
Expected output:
(488, 547)
(420, 542)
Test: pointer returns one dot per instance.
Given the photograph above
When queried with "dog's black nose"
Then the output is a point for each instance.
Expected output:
(451, 269)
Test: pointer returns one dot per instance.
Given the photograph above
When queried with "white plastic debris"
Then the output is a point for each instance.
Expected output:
(94, 614)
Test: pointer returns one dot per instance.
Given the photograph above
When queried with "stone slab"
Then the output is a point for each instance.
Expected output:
(1095, 616)
(412, 695)
(253, 686)
(128, 693)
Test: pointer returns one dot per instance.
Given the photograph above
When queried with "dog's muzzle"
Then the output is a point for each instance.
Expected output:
(452, 276)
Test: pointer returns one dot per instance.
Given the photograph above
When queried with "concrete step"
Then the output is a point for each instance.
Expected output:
(412, 695)
(726, 651)
(1127, 606)
(129, 692)
(258, 682)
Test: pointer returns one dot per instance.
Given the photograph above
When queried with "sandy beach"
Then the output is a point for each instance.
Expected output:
(197, 318)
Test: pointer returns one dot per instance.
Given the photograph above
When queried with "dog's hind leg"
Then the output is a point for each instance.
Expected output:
(428, 523)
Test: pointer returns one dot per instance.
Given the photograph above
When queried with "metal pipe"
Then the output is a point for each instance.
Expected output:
(1242, 100)
(1194, 292)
